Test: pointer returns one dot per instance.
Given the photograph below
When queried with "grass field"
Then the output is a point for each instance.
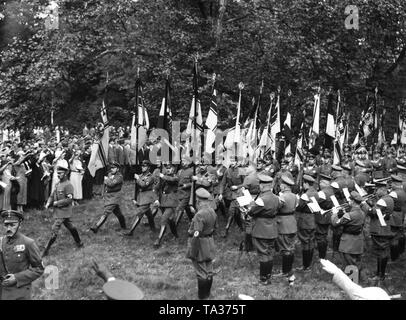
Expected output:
(165, 273)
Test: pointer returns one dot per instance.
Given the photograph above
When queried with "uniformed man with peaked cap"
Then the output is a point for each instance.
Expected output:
(265, 229)
(352, 240)
(287, 227)
(61, 200)
(201, 248)
(20, 260)
(112, 198)
(306, 223)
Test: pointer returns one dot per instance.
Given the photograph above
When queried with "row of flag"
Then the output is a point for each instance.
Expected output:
(249, 139)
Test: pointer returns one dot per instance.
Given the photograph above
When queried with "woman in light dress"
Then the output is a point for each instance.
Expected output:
(76, 175)
(22, 180)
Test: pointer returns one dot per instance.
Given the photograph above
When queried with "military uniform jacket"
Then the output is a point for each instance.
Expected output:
(312, 171)
(378, 168)
(113, 189)
(399, 208)
(231, 178)
(264, 217)
(352, 239)
(325, 204)
(326, 169)
(305, 218)
(204, 221)
(217, 176)
(375, 227)
(146, 194)
(23, 259)
(390, 166)
(185, 182)
(205, 181)
(63, 206)
(251, 182)
(286, 214)
(168, 187)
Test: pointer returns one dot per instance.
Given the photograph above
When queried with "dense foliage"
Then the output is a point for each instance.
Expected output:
(295, 44)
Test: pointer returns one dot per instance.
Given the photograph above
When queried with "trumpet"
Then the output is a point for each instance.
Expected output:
(347, 206)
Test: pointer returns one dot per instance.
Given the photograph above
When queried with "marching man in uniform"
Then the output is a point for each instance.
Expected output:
(145, 197)
(20, 260)
(112, 198)
(61, 199)
(201, 248)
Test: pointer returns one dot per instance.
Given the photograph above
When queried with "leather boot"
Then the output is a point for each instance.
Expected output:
(285, 264)
(263, 273)
(75, 235)
(402, 244)
(201, 286)
(151, 221)
(134, 225)
(172, 227)
(99, 223)
(209, 284)
(269, 267)
(49, 244)
(322, 247)
(229, 222)
(394, 252)
(384, 262)
(161, 234)
(310, 258)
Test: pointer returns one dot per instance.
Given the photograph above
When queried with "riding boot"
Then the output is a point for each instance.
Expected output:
(269, 267)
(201, 285)
(238, 220)
(75, 235)
(134, 225)
(99, 223)
(384, 262)
(172, 227)
(263, 272)
(394, 252)
(305, 259)
(290, 261)
(229, 222)
(310, 258)
(151, 221)
(402, 243)
(120, 218)
(209, 284)
(285, 264)
(161, 234)
(50, 243)
(378, 266)
(322, 247)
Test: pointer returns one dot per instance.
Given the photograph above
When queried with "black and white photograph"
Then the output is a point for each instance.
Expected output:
(210, 152)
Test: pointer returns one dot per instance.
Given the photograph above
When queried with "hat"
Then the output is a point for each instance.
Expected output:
(114, 164)
(336, 168)
(146, 163)
(346, 167)
(62, 166)
(122, 290)
(308, 178)
(203, 193)
(381, 203)
(356, 196)
(396, 178)
(393, 194)
(12, 215)
(263, 178)
(325, 177)
(361, 179)
(287, 180)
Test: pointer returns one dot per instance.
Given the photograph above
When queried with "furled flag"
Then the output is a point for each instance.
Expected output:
(252, 134)
(194, 128)
(329, 138)
(381, 132)
(211, 122)
(237, 132)
(400, 134)
(98, 156)
(287, 132)
(366, 123)
(165, 113)
(299, 151)
(275, 123)
(287, 126)
(314, 130)
(140, 121)
(264, 145)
